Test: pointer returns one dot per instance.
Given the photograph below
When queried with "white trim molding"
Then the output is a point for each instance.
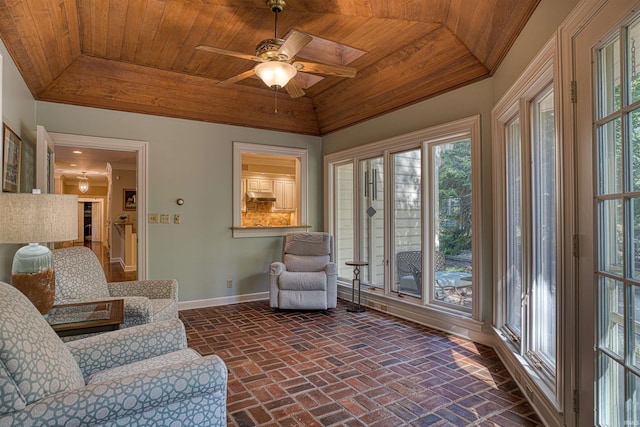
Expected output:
(215, 302)
(141, 148)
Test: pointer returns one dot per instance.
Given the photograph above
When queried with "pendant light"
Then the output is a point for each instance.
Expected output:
(83, 185)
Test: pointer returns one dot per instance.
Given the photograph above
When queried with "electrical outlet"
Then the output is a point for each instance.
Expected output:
(177, 218)
(229, 283)
(164, 218)
(153, 218)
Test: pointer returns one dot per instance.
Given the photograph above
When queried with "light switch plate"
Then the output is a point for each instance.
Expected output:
(164, 218)
(153, 218)
(177, 218)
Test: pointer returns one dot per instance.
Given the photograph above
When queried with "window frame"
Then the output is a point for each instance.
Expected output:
(539, 77)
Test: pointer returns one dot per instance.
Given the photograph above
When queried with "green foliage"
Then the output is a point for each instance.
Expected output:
(454, 179)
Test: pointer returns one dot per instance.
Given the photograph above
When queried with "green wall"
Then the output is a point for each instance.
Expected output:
(193, 161)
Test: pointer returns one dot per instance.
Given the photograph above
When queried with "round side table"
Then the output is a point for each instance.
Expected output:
(356, 278)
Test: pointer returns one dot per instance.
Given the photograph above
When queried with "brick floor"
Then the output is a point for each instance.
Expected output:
(335, 368)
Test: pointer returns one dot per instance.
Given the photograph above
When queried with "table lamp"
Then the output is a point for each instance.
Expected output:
(28, 218)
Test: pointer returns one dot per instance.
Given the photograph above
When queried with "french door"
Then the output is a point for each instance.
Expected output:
(607, 75)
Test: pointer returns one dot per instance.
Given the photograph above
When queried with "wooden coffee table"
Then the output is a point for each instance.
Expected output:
(86, 317)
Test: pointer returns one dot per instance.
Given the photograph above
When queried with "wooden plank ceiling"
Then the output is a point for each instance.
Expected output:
(140, 56)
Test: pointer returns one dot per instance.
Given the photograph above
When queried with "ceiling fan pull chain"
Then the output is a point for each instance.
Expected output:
(275, 96)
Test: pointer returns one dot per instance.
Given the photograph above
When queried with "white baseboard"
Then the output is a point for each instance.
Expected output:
(125, 268)
(213, 302)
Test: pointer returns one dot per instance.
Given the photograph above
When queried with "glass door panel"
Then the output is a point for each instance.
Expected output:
(451, 259)
(344, 219)
(406, 253)
(372, 220)
(618, 240)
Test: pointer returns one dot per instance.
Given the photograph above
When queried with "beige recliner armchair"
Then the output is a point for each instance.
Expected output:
(306, 279)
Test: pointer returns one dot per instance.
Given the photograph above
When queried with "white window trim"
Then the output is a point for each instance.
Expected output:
(244, 147)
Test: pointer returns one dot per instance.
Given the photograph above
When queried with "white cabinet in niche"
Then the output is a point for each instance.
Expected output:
(285, 192)
(260, 185)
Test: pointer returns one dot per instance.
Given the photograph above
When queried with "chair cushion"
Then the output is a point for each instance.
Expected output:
(305, 263)
(157, 362)
(303, 281)
(306, 244)
(79, 275)
(34, 358)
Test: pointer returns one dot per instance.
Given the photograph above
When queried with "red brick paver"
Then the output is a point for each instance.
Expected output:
(335, 368)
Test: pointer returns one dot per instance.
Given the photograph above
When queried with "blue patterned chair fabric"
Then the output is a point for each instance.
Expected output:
(307, 276)
(142, 376)
(80, 278)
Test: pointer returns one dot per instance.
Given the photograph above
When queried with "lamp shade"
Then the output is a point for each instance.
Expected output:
(275, 74)
(27, 218)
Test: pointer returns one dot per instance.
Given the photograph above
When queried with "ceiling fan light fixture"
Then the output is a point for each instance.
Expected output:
(275, 74)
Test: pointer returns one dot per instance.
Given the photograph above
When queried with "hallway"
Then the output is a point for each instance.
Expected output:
(112, 270)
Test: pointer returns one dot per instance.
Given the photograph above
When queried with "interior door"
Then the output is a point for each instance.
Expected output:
(608, 185)
(80, 238)
(96, 221)
(45, 159)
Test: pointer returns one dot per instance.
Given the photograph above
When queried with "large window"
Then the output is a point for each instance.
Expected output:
(526, 223)
(413, 199)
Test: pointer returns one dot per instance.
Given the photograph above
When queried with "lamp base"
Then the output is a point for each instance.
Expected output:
(32, 274)
(39, 287)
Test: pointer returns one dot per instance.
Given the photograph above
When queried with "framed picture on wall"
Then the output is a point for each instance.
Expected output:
(11, 154)
(129, 200)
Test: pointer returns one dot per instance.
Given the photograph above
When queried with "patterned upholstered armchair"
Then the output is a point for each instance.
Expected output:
(307, 277)
(142, 376)
(79, 278)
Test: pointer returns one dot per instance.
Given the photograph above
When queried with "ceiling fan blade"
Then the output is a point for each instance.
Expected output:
(294, 43)
(294, 89)
(229, 53)
(234, 79)
(333, 70)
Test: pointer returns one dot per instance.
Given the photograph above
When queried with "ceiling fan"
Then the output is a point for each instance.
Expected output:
(277, 64)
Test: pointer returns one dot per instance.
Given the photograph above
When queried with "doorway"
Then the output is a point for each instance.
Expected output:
(139, 183)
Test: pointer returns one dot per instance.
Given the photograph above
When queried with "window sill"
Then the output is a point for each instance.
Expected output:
(271, 231)
(534, 385)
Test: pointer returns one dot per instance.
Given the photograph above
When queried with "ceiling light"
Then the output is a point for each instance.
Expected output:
(83, 185)
(275, 74)
(73, 165)
(77, 152)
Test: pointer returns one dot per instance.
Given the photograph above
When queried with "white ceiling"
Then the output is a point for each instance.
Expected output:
(92, 161)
